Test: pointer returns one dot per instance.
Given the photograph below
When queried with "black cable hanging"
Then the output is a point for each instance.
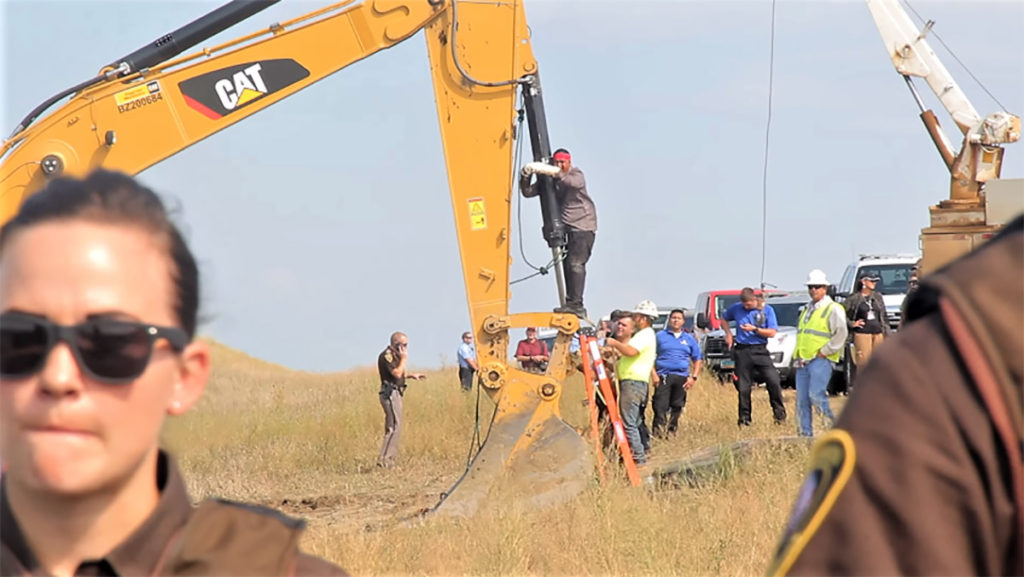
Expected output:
(767, 134)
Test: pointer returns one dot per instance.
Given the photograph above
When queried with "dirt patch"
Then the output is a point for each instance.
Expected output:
(389, 506)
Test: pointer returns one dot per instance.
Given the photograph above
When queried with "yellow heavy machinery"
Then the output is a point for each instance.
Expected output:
(979, 202)
(152, 104)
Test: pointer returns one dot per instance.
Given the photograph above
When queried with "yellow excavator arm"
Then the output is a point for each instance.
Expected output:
(147, 106)
(131, 121)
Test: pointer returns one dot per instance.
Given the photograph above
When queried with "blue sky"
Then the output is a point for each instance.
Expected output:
(323, 223)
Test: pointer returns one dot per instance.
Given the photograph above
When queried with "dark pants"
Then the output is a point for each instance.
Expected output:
(391, 402)
(754, 361)
(645, 433)
(581, 243)
(669, 395)
(466, 377)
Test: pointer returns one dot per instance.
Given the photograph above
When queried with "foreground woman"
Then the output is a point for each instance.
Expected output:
(98, 302)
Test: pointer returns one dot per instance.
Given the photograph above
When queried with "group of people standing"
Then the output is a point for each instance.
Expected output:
(638, 358)
(823, 330)
(662, 367)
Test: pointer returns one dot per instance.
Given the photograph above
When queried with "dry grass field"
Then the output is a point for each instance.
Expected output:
(307, 444)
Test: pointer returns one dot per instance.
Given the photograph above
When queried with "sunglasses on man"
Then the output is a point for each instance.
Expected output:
(109, 351)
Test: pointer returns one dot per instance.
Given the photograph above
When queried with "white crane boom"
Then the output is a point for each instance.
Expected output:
(979, 201)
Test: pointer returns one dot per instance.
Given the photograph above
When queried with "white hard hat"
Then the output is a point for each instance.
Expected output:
(817, 278)
(646, 308)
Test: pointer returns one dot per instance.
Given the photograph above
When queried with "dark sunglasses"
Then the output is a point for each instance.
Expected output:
(816, 286)
(110, 351)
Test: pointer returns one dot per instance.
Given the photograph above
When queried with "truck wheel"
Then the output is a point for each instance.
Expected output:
(790, 381)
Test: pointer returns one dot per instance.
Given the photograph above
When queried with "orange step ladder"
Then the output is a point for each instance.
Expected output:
(594, 365)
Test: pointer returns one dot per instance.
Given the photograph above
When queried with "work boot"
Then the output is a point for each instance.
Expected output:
(572, 310)
(673, 421)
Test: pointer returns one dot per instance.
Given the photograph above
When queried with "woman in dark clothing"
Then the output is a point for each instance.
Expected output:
(868, 322)
(98, 303)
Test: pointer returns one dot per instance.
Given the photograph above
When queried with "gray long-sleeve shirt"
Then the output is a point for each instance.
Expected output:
(578, 210)
(836, 325)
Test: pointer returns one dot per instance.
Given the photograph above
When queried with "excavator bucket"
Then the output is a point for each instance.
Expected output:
(530, 457)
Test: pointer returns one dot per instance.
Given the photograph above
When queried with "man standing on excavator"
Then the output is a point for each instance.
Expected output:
(579, 215)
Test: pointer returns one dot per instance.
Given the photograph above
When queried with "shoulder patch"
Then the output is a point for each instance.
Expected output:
(388, 356)
(832, 462)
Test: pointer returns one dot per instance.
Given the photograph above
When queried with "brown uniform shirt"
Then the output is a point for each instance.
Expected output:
(387, 360)
(141, 553)
(917, 477)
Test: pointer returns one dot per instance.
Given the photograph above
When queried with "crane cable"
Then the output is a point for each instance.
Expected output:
(767, 134)
(955, 57)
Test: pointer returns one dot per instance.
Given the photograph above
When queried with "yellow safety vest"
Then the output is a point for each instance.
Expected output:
(812, 333)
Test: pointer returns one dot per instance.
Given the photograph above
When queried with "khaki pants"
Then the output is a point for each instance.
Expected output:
(863, 345)
(391, 402)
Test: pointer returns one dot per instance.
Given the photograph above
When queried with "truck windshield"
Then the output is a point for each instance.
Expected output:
(894, 277)
(787, 314)
(723, 302)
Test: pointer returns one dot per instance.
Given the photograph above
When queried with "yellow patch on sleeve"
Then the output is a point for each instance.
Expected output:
(832, 461)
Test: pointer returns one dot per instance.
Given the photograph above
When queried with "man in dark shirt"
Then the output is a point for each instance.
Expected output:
(392, 369)
(911, 289)
(532, 353)
(579, 216)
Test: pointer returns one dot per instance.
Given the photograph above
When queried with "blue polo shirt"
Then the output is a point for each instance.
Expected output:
(466, 351)
(742, 316)
(676, 353)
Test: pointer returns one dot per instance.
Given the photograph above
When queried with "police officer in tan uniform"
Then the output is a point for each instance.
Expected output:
(391, 366)
(923, 474)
